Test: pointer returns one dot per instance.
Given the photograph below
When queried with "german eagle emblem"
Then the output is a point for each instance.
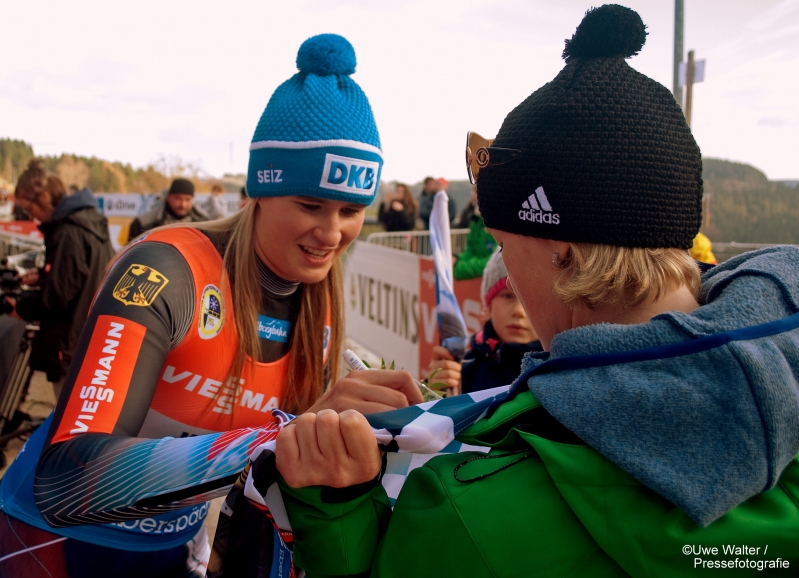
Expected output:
(140, 285)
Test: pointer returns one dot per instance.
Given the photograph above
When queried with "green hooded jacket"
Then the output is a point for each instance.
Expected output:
(534, 506)
(657, 449)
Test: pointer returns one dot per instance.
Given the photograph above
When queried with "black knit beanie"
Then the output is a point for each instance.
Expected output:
(606, 154)
(181, 187)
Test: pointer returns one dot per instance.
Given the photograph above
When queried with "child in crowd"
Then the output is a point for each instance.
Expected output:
(495, 354)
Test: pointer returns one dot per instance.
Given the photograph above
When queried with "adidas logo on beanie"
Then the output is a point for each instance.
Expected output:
(537, 208)
(606, 154)
(317, 136)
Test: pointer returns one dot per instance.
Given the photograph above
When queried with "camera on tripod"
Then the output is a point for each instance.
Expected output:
(11, 269)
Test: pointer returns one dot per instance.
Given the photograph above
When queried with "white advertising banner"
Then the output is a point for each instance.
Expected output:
(381, 290)
(124, 204)
(135, 204)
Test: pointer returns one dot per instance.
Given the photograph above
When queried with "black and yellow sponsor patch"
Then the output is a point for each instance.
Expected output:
(140, 285)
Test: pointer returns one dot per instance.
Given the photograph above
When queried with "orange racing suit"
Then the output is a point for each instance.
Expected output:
(150, 425)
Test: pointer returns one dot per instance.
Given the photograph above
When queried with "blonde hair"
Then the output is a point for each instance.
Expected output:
(596, 275)
(306, 376)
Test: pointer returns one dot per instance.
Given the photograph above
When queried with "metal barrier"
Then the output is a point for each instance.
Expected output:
(13, 244)
(417, 242)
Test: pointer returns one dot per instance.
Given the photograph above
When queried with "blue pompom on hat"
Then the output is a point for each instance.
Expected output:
(317, 136)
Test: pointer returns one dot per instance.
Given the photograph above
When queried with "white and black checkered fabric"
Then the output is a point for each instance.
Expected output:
(411, 436)
(416, 434)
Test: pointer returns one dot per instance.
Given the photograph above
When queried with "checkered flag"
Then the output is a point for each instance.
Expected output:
(411, 436)
(415, 434)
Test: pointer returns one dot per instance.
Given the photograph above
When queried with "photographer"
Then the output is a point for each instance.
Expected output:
(77, 250)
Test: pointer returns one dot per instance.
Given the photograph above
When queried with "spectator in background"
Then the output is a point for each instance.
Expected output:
(216, 207)
(78, 249)
(480, 246)
(398, 210)
(494, 357)
(6, 206)
(178, 208)
(430, 187)
(463, 220)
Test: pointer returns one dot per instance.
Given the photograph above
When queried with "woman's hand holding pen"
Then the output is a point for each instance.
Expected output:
(370, 391)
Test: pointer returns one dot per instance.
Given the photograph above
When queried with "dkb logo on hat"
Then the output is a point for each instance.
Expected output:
(537, 209)
(349, 175)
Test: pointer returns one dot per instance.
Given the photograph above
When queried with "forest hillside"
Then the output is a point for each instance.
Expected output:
(103, 176)
(740, 204)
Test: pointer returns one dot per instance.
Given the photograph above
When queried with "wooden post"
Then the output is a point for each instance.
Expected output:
(706, 202)
(679, 19)
(689, 85)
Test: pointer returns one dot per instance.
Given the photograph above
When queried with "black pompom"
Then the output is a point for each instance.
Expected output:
(607, 31)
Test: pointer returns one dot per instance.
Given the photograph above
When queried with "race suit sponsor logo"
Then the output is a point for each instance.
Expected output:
(99, 392)
(273, 329)
(140, 285)
(349, 175)
(212, 313)
(168, 523)
(226, 394)
(537, 209)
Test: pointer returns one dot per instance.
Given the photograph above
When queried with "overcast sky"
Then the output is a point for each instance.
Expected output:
(135, 80)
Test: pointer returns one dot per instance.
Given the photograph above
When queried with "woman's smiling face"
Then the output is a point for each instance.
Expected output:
(299, 238)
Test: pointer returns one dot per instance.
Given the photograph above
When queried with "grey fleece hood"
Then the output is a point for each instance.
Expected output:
(703, 408)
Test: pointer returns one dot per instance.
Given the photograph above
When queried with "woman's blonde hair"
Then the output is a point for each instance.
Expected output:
(306, 376)
(597, 275)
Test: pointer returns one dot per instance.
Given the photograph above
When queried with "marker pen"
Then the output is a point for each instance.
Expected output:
(355, 364)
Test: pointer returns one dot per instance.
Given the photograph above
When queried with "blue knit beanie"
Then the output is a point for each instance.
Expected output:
(317, 136)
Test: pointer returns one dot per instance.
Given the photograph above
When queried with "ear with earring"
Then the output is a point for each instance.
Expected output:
(558, 262)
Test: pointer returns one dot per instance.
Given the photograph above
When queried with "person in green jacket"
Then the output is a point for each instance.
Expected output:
(480, 245)
(655, 435)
